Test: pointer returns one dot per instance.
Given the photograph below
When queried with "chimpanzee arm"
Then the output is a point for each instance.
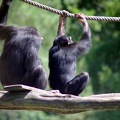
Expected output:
(4, 11)
(62, 23)
(61, 26)
(4, 30)
(84, 43)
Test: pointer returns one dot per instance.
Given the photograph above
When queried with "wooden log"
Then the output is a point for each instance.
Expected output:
(28, 98)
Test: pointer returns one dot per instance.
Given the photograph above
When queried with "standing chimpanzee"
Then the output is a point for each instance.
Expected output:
(19, 62)
(62, 59)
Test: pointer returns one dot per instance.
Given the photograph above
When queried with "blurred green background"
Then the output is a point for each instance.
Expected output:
(102, 62)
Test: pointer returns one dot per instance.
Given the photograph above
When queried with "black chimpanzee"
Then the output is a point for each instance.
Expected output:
(62, 59)
(19, 62)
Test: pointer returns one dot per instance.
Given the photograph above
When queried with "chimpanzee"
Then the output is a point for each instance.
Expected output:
(62, 58)
(19, 61)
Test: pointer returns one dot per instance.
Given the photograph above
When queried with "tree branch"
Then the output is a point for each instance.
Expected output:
(28, 98)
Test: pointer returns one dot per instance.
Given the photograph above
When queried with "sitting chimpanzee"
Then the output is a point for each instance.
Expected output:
(62, 59)
(19, 62)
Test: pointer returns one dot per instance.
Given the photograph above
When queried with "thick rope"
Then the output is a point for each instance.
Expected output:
(116, 19)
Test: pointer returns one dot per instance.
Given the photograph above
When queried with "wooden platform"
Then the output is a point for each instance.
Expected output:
(14, 98)
(18, 87)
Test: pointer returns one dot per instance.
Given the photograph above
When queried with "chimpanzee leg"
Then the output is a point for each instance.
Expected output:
(77, 84)
(36, 78)
(41, 78)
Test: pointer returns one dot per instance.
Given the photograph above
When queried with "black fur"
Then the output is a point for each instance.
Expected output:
(62, 61)
(19, 61)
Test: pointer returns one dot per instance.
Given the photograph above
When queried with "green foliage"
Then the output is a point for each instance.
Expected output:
(26, 115)
(102, 62)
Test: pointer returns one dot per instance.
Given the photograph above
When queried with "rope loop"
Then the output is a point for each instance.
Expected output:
(103, 18)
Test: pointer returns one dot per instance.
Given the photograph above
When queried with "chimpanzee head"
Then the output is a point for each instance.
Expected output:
(63, 41)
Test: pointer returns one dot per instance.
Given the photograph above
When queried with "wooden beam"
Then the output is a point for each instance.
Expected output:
(28, 98)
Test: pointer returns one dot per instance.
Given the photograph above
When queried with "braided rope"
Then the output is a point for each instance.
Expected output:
(117, 19)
